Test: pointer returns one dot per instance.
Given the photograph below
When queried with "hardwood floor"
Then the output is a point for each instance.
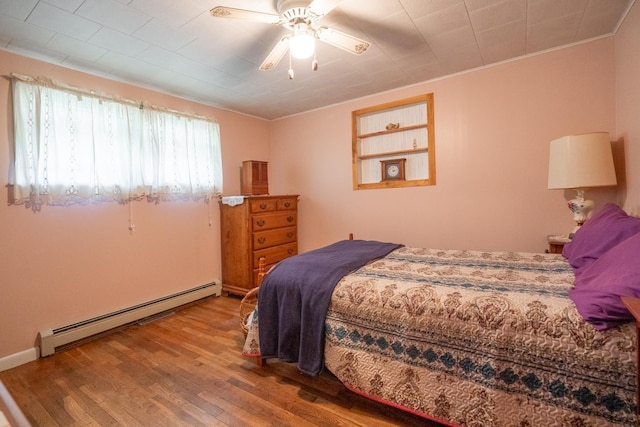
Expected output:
(185, 369)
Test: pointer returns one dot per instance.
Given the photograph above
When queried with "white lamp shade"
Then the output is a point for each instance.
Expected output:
(581, 161)
(302, 43)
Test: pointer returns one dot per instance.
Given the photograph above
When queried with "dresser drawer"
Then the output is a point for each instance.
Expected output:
(263, 205)
(287, 204)
(275, 254)
(275, 220)
(279, 236)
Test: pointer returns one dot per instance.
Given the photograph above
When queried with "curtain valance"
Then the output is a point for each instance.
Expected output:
(76, 146)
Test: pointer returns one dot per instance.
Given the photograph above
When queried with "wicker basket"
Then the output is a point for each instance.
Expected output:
(247, 305)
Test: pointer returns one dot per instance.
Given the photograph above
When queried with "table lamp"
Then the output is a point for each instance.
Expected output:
(579, 162)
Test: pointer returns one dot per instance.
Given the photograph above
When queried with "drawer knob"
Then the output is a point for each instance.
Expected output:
(290, 251)
(290, 234)
(290, 218)
(287, 204)
(260, 222)
(263, 206)
(261, 240)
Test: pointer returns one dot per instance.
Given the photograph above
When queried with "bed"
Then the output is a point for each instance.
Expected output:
(477, 338)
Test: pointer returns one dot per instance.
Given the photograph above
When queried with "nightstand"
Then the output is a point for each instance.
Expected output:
(556, 243)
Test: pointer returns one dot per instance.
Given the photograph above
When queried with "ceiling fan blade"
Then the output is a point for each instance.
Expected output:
(250, 15)
(322, 7)
(276, 54)
(343, 41)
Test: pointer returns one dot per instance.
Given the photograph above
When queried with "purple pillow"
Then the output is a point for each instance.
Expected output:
(598, 289)
(605, 230)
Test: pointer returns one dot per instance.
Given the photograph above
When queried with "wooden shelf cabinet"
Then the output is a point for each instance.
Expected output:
(556, 243)
(382, 133)
(556, 247)
(260, 227)
(255, 178)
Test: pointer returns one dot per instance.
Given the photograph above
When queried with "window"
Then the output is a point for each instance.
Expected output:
(74, 146)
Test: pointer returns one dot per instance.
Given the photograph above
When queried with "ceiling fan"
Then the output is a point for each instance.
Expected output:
(301, 18)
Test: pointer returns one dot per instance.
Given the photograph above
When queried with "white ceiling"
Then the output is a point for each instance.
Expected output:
(176, 47)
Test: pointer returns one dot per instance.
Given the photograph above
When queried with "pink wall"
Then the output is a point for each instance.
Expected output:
(493, 128)
(66, 264)
(628, 107)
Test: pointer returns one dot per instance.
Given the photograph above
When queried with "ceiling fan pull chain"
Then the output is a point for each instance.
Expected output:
(314, 63)
(290, 67)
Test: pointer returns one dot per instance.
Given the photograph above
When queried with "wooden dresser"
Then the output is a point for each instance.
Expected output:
(261, 226)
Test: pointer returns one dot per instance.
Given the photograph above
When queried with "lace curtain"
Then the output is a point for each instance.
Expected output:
(73, 146)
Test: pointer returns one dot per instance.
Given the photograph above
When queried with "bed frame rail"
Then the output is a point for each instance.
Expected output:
(250, 300)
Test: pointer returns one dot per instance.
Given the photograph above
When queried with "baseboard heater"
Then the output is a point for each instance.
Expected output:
(51, 339)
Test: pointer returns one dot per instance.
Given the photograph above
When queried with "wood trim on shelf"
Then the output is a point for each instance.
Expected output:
(394, 104)
(394, 184)
(392, 153)
(384, 132)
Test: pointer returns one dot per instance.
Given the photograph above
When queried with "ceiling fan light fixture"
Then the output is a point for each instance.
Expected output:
(303, 42)
(300, 17)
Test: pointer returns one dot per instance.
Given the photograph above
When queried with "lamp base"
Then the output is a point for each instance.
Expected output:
(581, 209)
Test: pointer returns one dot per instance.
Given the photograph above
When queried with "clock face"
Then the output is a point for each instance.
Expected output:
(393, 171)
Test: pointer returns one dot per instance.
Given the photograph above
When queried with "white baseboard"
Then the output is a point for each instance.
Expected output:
(50, 339)
(17, 359)
(153, 307)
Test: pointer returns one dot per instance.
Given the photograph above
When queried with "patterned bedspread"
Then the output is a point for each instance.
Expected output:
(478, 338)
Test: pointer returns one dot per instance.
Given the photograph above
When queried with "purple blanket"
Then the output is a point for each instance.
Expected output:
(294, 298)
